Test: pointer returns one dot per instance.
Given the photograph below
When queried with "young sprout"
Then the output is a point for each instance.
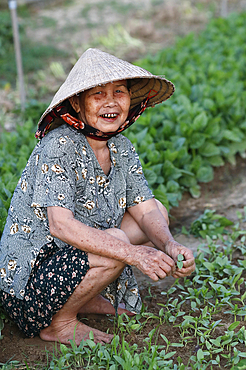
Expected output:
(180, 261)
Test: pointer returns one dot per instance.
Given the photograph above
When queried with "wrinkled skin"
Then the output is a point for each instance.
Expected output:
(144, 239)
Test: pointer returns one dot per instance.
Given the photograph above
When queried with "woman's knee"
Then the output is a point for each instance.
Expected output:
(119, 234)
(104, 262)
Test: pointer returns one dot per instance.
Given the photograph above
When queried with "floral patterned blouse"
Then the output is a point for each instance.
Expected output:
(63, 171)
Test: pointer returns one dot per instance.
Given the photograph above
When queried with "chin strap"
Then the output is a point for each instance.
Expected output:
(61, 111)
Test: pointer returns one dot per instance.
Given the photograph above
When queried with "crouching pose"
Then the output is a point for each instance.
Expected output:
(82, 213)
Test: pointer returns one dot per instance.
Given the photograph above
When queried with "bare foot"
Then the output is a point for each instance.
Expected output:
(100, 305)
(61, 332)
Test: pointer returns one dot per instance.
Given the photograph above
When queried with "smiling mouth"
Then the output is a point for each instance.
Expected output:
(109, 115)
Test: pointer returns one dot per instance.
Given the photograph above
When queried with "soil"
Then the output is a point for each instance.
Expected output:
(156, 24)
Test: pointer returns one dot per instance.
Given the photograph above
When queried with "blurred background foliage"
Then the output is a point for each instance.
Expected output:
(34, 54)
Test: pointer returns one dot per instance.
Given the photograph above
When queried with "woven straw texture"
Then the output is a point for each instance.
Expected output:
(96, 67)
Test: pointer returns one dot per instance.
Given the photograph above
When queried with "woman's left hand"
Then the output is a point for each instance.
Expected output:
(173, 249)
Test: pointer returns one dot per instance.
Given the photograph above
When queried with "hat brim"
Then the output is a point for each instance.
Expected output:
(96, 68)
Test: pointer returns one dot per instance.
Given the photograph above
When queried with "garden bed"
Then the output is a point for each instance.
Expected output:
(198, 324)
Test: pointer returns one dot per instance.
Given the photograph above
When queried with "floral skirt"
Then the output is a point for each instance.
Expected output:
(55, 275)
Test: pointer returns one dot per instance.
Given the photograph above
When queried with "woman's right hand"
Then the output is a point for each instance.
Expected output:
(152, 262)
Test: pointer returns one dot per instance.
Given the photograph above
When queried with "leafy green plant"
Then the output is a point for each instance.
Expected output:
(209, 224)
(180, 261)
(208, 309)
(204, 123)
(15, 149)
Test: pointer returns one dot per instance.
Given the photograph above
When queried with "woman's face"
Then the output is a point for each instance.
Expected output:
(104, 107)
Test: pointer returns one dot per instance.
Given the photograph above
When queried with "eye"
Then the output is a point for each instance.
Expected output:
(121, 91)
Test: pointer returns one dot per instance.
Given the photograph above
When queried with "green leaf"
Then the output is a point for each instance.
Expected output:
(180, 257)
(209, 149)
(195, 191)
(224, 221)
(241, 365)
(197, 140)
(209, 104)
(172, 186)
(169, 355)
(135, 326)
(160, 194)
(120, 361)
(188, 181)
(231, 135)
(170, 155)
(180, 265)
(200, 122)
(200, 355)
(150, 176)
(205, 174)
(234, 325)
(216, 161)
(213, 127)
(164, 338)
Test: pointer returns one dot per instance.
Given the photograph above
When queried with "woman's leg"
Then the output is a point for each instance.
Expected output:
(99, 304)
(65, 325)
(132, 230)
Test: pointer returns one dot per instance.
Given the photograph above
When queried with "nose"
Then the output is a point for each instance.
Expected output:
(110, 99)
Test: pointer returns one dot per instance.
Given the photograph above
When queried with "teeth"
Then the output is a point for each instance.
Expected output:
(109, 115)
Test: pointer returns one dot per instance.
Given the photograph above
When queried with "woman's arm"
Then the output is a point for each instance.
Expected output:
(150, 261)
(155, 226)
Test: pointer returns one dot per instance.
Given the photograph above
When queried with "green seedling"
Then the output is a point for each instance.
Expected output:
(180, 261)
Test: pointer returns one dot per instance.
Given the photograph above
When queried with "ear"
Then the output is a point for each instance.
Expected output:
(74, 101)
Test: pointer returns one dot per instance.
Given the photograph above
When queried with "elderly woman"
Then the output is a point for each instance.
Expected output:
(82, 213)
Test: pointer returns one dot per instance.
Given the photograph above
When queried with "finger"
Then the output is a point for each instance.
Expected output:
(158, 270)
(188, 255)
(153, 276)
(162, 274)
(150, 271)
(183, 272)
(167, 264)
(161, 261)
(167, 259)
(161, 269)
(189, 263)
(166, 268)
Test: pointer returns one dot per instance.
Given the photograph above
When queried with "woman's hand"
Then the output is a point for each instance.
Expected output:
(152, 262)
(173, 249)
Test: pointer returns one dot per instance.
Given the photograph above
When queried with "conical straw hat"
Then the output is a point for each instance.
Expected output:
(96, 67)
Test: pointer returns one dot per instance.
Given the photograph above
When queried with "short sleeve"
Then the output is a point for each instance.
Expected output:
(55, 183)
(137, 189)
